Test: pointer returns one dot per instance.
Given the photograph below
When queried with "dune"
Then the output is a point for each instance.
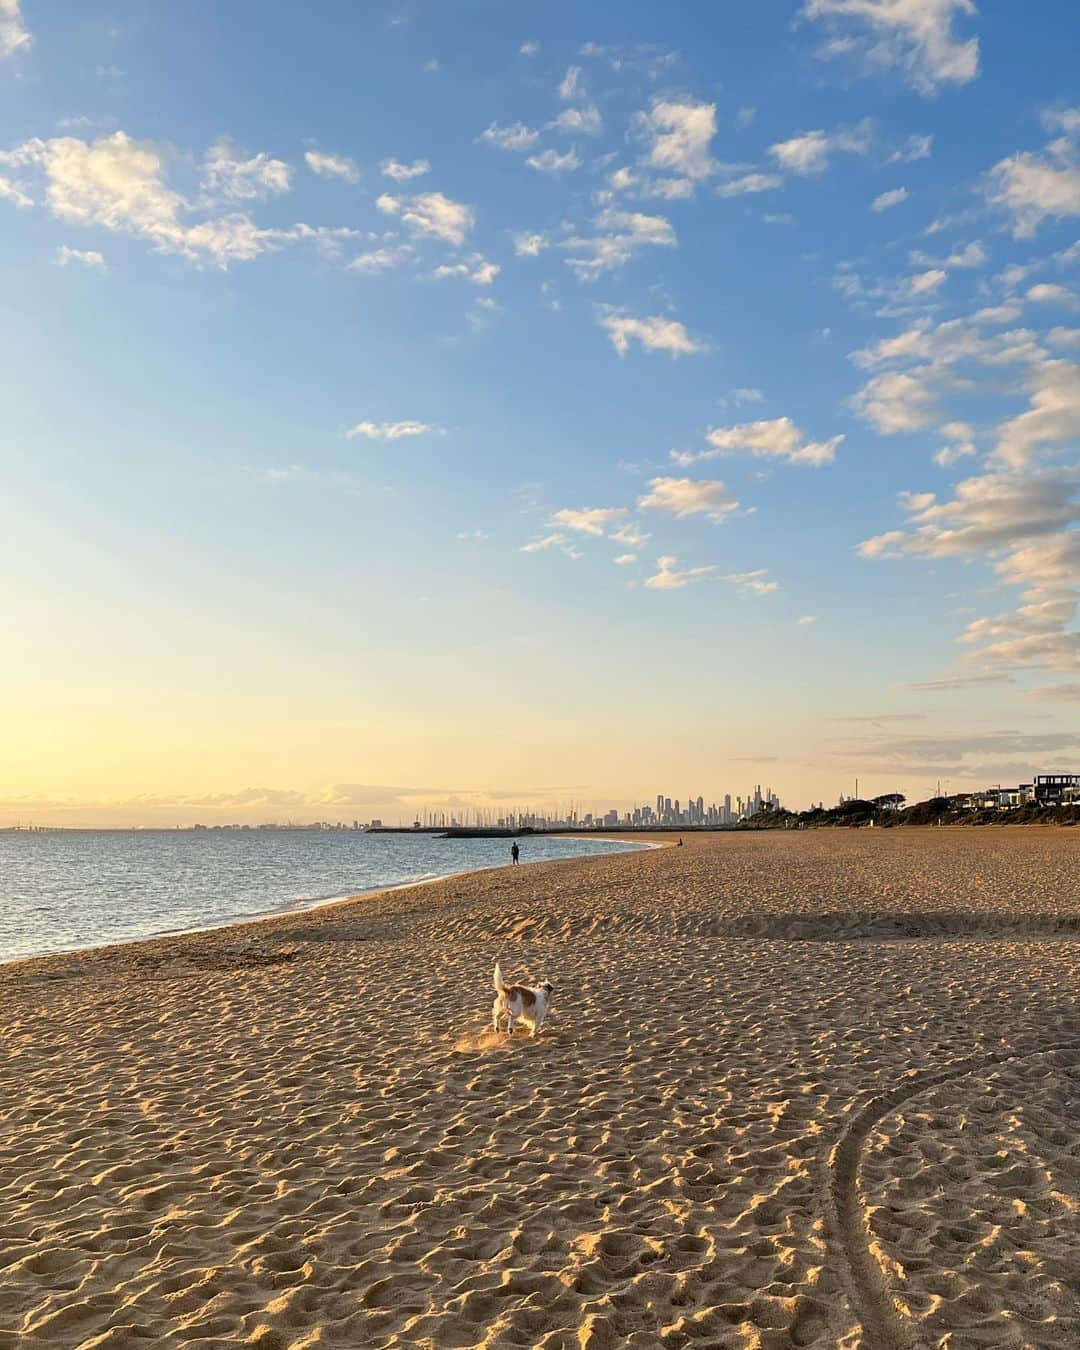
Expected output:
(816, 1088)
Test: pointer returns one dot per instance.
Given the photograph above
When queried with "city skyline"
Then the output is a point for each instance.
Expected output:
(534, 403)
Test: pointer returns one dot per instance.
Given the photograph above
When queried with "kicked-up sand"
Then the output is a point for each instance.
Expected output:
(814, 1088)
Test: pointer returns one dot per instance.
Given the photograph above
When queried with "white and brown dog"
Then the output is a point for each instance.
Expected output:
(520, 1003)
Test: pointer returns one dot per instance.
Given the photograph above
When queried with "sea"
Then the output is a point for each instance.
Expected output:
(65, 890)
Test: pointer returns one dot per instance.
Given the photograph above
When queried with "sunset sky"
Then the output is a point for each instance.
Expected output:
(465, 403)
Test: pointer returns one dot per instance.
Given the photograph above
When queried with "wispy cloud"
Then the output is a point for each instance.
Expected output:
(551, 161)
(914, 148)
(401, 173)
(683, 497)
(884, 201)
(679, 136)
(915, 36)
(389, 431)
(477, 270)
(83, 257)
(431, 214)
(515, 138)
(809, 152)
(654, 333)
(332, 166)
(773, 438)
(618, 236)
(756, 581)
(14, 35)
(670, 577)
(589, 520)
(229, 174)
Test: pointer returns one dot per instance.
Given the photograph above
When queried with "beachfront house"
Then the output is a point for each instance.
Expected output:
(1053, 789)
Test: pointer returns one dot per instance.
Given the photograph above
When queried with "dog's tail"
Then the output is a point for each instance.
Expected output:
(498, 979)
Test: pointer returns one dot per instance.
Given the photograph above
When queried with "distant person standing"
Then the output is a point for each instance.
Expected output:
(515, 853)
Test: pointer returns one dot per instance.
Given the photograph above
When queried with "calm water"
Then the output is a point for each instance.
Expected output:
(59, 892)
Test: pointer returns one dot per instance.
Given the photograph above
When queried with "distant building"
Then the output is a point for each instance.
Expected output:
(1051, 789)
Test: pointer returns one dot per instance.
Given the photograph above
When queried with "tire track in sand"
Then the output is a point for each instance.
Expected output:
(883, 1325)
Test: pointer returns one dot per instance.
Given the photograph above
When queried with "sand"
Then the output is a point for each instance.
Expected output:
(803, 1089)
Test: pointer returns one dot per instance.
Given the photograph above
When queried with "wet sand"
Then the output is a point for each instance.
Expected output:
(817, 1088)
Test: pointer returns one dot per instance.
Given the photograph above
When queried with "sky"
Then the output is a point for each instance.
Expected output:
(475, 404)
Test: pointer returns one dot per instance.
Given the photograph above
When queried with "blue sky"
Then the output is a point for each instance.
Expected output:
(500, 401)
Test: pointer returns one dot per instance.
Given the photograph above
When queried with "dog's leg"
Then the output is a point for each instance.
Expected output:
(495, 1017)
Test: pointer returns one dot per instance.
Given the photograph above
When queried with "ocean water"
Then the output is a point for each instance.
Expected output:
(75, 888)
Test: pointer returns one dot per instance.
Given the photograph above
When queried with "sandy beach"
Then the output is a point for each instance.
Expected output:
(813, 1088)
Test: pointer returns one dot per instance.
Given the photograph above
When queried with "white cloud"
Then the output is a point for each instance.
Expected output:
(669, 577)
(915, 147)
(389, 431)
(554, 540)
(517, 137)
(84, 257)
(119, 184)
(550, 161)
(430, 213)
(380, 259)
(332, 166)
(620, 234)
(970, 256)
(655, 334)
(1024, 523)
(585, 119)
(680, 136)
(401, 173)
(1033, 188)
(808, 152)
(1048, 294)
(625, 559)
(806, 619)
(589, 520)
(530, 245)
(775, 438)
(916, 36)
(573, 85)
(13, 33)
(961, 437)
(682, 497)
(529, 48)
(630, 534)
(925, 283)
(881, 545)
(1052, 419)
(11, 192)
(1066, 120)
(995, 314)
(884, 200)
(477, 270)
(756, 581)
(748, 395)
(226, 172)
(750, 182)
(897, 401)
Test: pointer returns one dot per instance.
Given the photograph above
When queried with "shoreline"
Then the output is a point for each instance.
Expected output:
(297, 907)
